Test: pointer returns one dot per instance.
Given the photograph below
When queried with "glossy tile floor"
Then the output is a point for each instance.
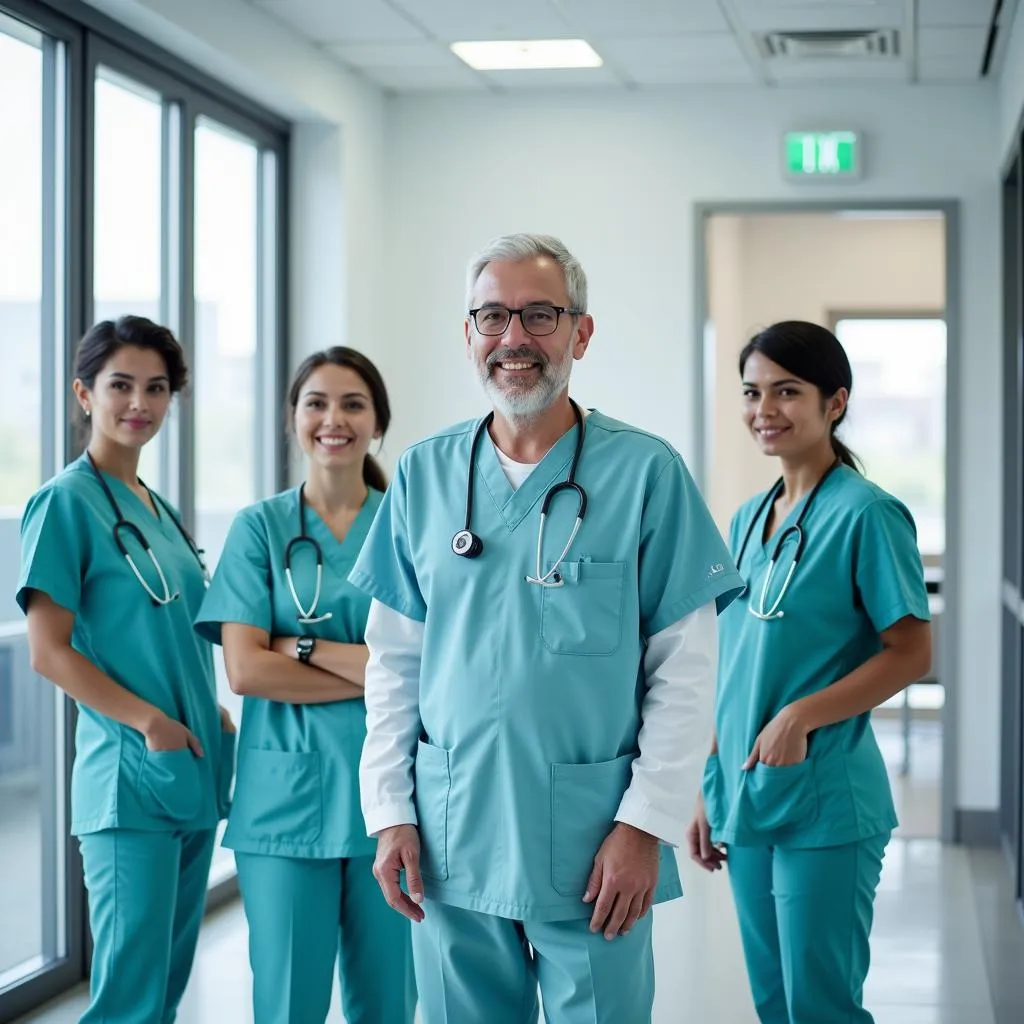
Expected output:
(947, 947)
(946, 951)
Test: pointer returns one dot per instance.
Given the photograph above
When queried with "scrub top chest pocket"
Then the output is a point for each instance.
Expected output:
(584, 615)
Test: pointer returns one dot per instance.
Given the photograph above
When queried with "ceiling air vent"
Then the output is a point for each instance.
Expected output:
(883, 43)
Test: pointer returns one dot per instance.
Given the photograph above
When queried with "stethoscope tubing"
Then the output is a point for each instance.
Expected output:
(121, 524)
(306, 616)
(467, 544)
(775, 612)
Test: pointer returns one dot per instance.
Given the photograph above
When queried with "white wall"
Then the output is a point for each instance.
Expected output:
(766, 268)
(617, 176)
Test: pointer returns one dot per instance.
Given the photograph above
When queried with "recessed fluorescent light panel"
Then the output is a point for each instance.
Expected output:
(527, 54)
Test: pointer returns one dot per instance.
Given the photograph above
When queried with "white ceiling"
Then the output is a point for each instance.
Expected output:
(402, 45)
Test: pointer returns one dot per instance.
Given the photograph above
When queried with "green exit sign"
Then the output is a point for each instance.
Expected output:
(822, 155)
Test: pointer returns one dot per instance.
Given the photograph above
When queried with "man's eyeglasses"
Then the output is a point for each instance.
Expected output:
(539, 319)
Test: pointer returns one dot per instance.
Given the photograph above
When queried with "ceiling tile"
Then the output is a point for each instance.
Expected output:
(954, 13)
(938, 44)
(819, 16)
(426, 79)
(343, 21)
(959, 70)
(516, 81)
(838, 71)
(722, 73)
(474, 20)
(645, 17)
(395, 55)
(669, 51)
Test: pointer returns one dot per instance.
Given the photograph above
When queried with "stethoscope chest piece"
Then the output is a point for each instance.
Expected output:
(467, 544)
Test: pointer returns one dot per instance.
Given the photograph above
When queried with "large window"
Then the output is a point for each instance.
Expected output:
(896, 422)
(33, 846)
(128, 223)
(141, 185)
(226, 351)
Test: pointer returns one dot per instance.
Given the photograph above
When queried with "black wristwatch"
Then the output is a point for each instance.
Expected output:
(304, 648)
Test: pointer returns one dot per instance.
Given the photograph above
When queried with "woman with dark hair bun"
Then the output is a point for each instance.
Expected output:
(110, 582)
(833, 622)
(292, 627)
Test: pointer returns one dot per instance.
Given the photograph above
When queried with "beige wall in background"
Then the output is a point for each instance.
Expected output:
(768, 267)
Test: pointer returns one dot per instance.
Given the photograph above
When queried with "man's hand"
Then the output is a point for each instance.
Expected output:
(623, 880)
(398, 849)
(226, 725)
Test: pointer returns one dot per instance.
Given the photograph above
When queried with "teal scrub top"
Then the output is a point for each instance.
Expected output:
(530, 697)
(297, 789)
(859, 574)
(68, 552)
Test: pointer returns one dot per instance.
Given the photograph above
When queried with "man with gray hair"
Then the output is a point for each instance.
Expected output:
(541, 678)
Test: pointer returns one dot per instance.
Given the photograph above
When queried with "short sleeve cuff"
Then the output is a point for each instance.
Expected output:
(723, 590)
(63, 596)
(402, 605)
(208, 626)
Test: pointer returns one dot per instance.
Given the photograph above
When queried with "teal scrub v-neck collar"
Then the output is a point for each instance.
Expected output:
(347, 549)
(514, 504)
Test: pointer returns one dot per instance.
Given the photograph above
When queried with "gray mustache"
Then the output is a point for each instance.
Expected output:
(523, 354)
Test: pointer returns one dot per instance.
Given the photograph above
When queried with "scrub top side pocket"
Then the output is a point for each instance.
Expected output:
(781, 798)
(584, 615)
(169, 784)
(712, 790)
(433, 784)
(584, 801)
(278, 796)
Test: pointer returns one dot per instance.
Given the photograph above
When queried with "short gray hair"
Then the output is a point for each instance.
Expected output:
(516, 248)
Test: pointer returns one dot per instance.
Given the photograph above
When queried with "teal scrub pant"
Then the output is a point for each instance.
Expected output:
(300, 911)
(473, 967)
(805, 918)
(147, 891)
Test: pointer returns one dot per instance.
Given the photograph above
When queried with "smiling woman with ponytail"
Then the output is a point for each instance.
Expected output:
(834, 622)
(293, 632)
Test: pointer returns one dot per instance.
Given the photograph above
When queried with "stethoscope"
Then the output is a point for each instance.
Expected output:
(468, 545)
(307, 616)
(121, 525)
(774, 612)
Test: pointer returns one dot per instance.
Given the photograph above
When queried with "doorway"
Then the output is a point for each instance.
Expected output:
(880, 278)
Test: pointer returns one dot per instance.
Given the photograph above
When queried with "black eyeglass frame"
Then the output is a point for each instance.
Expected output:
(559, 311)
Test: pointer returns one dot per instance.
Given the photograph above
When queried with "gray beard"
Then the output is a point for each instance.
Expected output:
(523, 404)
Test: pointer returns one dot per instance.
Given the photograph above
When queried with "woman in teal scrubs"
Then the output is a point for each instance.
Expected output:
(110, 582)
(834, 622)
(292, 629)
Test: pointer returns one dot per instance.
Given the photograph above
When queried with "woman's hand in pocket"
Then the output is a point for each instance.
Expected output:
(698, 837)
(164, 733)
(783, 741)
